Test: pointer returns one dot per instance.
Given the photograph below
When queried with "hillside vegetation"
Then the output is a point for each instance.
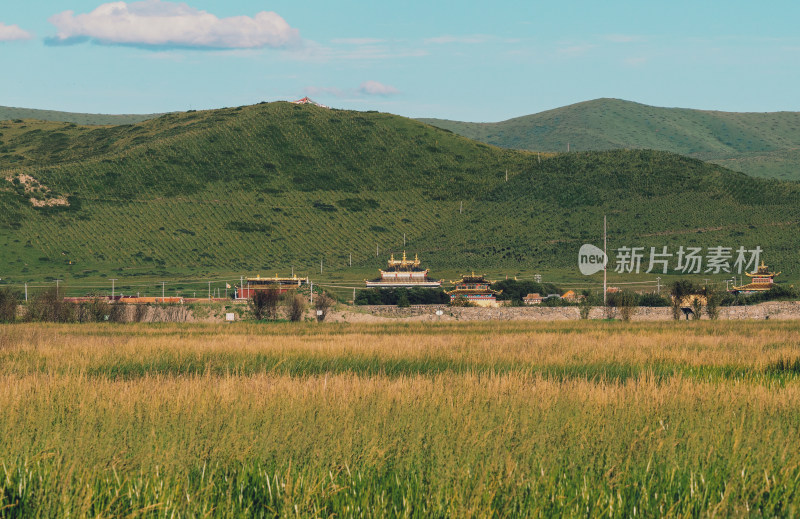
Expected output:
(8, 113)
(760, 144)
(268, 187)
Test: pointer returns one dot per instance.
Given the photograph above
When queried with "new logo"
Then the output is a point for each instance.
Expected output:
(591, 259)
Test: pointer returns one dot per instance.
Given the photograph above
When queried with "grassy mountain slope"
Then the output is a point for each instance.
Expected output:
(760, 144)
(10, 113)
(267, 187)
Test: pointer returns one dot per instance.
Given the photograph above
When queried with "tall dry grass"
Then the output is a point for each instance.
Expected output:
(472, 420)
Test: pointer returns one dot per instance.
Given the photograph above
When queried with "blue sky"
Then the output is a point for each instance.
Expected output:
(475, 61)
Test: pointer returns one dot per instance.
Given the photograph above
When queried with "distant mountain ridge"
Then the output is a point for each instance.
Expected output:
(759, 144)
(276, 186)
(8, 113)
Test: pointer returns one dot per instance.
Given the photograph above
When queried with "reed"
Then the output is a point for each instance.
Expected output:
(511, 419)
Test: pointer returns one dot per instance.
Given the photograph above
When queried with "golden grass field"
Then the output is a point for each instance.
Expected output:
(511, 419)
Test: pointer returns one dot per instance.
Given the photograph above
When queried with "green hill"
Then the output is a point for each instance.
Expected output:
(759, 144)
(8, 113)
(269, 187)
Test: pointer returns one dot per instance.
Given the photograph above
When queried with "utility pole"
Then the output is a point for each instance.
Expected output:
(506, 175)
(209, 290)
(57, 281)
(658, 285)
(705, 282)
(376, 250)
(404, 240)
(461, 207)
(162, 290)
(605, 262)
(26, 292)
(354, 295)
(113, 280)
(312, 292)
(320, 266)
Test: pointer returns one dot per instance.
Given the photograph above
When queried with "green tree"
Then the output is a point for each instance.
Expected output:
(9, 300)
(680, 290)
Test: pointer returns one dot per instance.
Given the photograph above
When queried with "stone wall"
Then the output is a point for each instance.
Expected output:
(771, 310)
(180, 313)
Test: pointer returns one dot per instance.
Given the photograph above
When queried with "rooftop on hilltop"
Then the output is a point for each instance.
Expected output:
(308, 101)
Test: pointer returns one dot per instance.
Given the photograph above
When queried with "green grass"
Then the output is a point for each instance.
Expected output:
(8, 113)
(262, 189)
(759, 144)
(409, 420)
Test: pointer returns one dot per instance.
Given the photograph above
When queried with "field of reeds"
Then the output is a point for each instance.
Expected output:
(511, 419)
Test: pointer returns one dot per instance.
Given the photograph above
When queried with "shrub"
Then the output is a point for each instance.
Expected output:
(264, 303)
(402, 300)
(94, 311)
(9, 300)
(514, 290)
(391, 296)
(628, 304)
(697, 308)
(680, 290)
(653, 300)
(322, 304)
(297, 307)
(358, 204)
(117, 312)
(49, 306)
(713, 301)
(461, 301)
(585, 305)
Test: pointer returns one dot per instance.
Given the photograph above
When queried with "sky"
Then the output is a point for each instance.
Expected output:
(463, 60)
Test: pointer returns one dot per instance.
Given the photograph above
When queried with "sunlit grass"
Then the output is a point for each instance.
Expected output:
(513, 419)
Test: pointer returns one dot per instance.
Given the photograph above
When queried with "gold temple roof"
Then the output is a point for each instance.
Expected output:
(762, 271)
(405, 262)
(473, 278)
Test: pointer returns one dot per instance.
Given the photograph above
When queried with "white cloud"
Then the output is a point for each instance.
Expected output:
(622, 38)
(374, 88)
(13, 32)
(367, 88)
(160, 23)
(357, 41)
(312, 51)
(474, 38)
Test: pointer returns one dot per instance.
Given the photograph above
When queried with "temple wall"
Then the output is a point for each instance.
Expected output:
(770, 310)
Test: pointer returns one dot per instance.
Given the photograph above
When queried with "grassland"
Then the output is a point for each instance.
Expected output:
(262, 189)
(483, 419)
(8, 113)
(759, 144)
